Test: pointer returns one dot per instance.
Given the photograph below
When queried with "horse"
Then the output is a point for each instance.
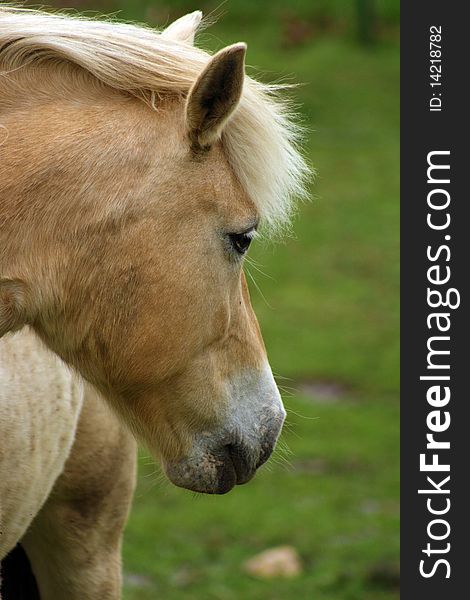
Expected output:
(135, 171)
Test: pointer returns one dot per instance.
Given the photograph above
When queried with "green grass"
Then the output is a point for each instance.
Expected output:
(333, 316)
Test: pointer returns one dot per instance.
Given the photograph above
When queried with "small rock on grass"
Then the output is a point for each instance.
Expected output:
(282, 561)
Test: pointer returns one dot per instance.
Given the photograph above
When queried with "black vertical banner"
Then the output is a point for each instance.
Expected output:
(435, 307)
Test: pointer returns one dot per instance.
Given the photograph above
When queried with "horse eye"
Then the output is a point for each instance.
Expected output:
(241, 241)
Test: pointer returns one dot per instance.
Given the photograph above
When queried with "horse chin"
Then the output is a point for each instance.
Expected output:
(207, 474)
(216, 471)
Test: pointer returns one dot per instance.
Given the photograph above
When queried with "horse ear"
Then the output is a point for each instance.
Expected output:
(13, 305)
(215, 95)
(184, 29)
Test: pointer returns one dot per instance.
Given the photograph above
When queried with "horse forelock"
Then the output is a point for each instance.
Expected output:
(260, 140)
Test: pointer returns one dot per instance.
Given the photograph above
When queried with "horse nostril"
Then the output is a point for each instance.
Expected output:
(241, 460)
(236, 452)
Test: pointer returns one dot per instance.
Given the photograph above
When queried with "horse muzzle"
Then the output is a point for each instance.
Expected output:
(216, 469)
(244, 440)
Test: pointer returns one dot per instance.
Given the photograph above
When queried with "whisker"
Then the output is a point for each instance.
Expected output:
(293, 412)
(278, 376)
(258, 288)
(283, 462)
(285, 392)
(252, 263)
(288, 388)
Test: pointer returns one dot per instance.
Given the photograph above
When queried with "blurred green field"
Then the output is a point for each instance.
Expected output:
(330, 321)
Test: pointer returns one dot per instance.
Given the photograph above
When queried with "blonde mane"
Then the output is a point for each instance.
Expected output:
(261, 139)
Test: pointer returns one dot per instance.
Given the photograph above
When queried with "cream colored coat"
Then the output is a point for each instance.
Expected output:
(40, 401)
(67, 471)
